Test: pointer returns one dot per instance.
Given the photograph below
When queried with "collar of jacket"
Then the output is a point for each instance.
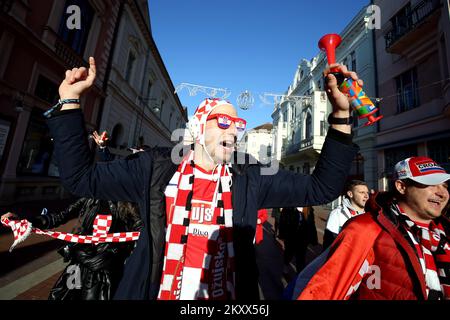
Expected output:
(380, 209)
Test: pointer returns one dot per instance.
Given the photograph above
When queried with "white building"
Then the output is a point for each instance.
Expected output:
(299, 119)
(140, 107)
(258, 142)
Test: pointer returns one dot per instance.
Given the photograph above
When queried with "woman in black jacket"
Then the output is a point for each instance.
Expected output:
(94, 271)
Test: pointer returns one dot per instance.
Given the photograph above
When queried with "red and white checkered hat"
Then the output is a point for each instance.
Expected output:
(422, 170)
(197, 124)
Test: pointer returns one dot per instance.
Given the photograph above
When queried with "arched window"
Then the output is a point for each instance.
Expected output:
(116, 135)
(308, 126)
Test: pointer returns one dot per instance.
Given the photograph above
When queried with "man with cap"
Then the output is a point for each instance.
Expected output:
(199, 215)
(400, 249)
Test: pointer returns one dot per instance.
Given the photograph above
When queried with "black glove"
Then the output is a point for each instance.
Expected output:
(40, 222)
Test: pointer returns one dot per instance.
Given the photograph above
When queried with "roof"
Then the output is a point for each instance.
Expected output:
(267, 126)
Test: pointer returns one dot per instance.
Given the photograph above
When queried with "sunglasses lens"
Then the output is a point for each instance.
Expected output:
(223, 122)
(240, 125)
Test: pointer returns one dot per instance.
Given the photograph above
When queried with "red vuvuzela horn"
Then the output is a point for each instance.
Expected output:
(329, 43)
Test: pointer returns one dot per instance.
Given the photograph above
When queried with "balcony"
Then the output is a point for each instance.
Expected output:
(70, 58)
(421, 21)
(306, 143)
(293, 148)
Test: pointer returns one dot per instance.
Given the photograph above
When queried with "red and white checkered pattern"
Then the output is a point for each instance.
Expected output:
(201, 266)
(201, 114)
(21, 230)
(433, 250)
(102, 223)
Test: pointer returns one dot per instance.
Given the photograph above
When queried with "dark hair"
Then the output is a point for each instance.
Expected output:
(353, 183)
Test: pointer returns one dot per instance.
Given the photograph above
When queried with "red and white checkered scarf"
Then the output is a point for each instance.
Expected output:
(433, 250)
(190, 273)
(23, 228)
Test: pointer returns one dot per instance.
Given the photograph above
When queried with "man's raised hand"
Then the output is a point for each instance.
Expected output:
(77, 81)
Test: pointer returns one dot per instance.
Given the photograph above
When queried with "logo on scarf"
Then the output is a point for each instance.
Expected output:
(201, 212)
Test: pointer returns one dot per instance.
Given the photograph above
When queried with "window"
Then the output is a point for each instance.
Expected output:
(162, 105)
(407, 93)
(439, 151)
(401, 22)
(116, 135)
(308, 126)
(46, 90)
(130, 65)
(323, 129)
(76, 38)
(36, 157)
(149, 88)
(394, 155)
(353, 59)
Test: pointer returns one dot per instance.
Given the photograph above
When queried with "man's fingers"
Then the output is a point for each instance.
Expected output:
(332, 85)
(74, 72)
(360, 82)
(92, 70)
(353, 75)
(81, 73)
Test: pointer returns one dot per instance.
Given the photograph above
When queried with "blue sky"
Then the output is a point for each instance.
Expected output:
(241, 45)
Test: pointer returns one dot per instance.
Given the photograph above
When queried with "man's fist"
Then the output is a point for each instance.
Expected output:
(339, 101)
(77, 81)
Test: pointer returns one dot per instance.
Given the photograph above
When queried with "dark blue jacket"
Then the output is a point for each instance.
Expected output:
(143, 178)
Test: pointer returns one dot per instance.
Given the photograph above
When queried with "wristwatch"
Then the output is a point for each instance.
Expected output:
(333, 120)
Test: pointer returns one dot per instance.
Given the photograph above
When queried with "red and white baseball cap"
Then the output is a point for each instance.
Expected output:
(422, 170)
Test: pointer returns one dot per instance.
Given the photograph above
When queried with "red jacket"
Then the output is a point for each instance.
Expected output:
(401, 276)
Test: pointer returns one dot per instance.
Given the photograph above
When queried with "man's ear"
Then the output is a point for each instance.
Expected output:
(350, 194)
(400, 186)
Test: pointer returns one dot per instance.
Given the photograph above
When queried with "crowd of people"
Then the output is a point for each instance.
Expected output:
(201, 218)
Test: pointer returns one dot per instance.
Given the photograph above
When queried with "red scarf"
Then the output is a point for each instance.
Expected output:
(433, 250)
(199, 255)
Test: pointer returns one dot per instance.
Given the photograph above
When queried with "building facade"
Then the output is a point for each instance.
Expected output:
(132, 98)
(258, 143)
(141, 106)
(39, 40)
(300, 117)
(413, 54)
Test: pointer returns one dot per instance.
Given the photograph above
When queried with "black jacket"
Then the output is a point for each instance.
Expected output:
(101, 266)
(143, 178)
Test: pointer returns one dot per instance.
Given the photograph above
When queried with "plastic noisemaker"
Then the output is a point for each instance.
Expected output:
(359, 100)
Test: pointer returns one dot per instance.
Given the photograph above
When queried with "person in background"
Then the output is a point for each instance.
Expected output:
(399, 249)
(297, 229)
(354, 200)
(262, 217)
